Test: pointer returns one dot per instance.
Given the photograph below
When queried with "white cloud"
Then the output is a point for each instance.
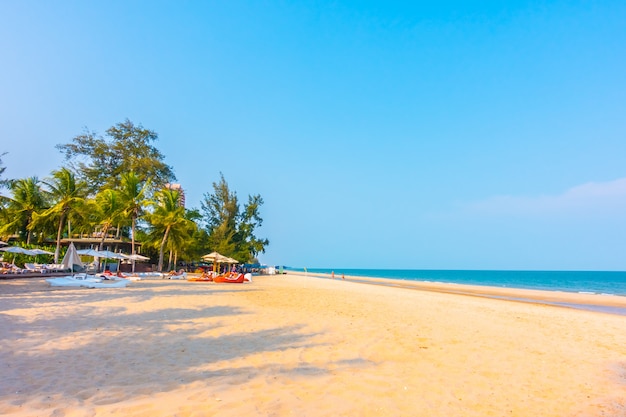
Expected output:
(589, 198)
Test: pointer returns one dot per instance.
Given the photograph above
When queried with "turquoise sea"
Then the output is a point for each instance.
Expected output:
(596, 282)
(606, 283)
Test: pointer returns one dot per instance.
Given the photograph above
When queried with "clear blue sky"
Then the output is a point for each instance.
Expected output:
(441, 134)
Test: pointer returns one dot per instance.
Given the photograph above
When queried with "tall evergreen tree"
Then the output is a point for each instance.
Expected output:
(126, 147)
(231, 232)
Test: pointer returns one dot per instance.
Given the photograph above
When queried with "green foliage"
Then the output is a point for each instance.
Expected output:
(133, 195)
(126, 147)
(3, 182)
(168, 222)
(68, 203)
(109, 211)
(112, 184)
(20, 259)
(27, 199)
(231, 232)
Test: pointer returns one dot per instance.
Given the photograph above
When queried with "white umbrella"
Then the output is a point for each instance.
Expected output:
(38, 251)
(137, 257)
(88, 252)
(106, 254)
(71, 258)
(111, 255)
(17, 249)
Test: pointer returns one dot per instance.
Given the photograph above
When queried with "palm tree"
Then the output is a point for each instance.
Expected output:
(168, 216)
(28, 198)
(133, 199)
(109, 211)
(68, 196)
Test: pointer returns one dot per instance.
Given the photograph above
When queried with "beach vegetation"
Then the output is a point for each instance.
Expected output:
(231, 231)
(108, 209)
(3, 181)
(68, 200)
(27, 198)
(120, 184)
(168, 222)
(134, 198)
(102, 160)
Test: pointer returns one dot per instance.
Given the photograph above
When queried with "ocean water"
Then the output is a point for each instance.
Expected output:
(593, 282)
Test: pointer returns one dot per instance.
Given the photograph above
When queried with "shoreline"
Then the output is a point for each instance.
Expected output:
(603, 303)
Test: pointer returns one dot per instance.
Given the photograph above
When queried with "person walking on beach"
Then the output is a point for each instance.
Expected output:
(332, 275)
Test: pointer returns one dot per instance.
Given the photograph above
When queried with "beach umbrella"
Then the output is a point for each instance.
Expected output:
(137, 257)
(107, 254)
(102, 254)
(71, 258)
(88, 252)
(38, 251)
(214, 257)
(17, 249)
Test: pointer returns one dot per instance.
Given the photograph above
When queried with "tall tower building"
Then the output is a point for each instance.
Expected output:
(181, 192)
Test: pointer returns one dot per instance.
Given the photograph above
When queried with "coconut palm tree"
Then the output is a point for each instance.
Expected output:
(27, 198)
(109, 211)
(133, 196)
(168, 216)
(68, 199)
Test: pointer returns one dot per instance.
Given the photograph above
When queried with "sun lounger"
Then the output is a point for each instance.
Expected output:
(55, 268)
(8, 268)
(32, 267)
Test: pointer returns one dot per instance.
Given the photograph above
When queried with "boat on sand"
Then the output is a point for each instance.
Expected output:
(88, 281)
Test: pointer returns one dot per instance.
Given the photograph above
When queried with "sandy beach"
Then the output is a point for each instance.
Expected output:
(295, 345)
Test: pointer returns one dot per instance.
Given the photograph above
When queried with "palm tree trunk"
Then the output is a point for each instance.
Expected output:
(58, 249)
(132, 239)
(105, 229)
(167, 231)
(169, 264)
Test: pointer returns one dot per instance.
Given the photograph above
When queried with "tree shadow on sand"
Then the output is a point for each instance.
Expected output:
(187, 344)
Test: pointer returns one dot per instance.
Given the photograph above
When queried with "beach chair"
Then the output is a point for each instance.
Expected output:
(32, 267)
(8, 268)
(54, 268)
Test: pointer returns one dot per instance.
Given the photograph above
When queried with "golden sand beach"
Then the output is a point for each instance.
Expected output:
(294, 345)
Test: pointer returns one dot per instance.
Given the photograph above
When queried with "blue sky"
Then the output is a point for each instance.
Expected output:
(445, 135)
